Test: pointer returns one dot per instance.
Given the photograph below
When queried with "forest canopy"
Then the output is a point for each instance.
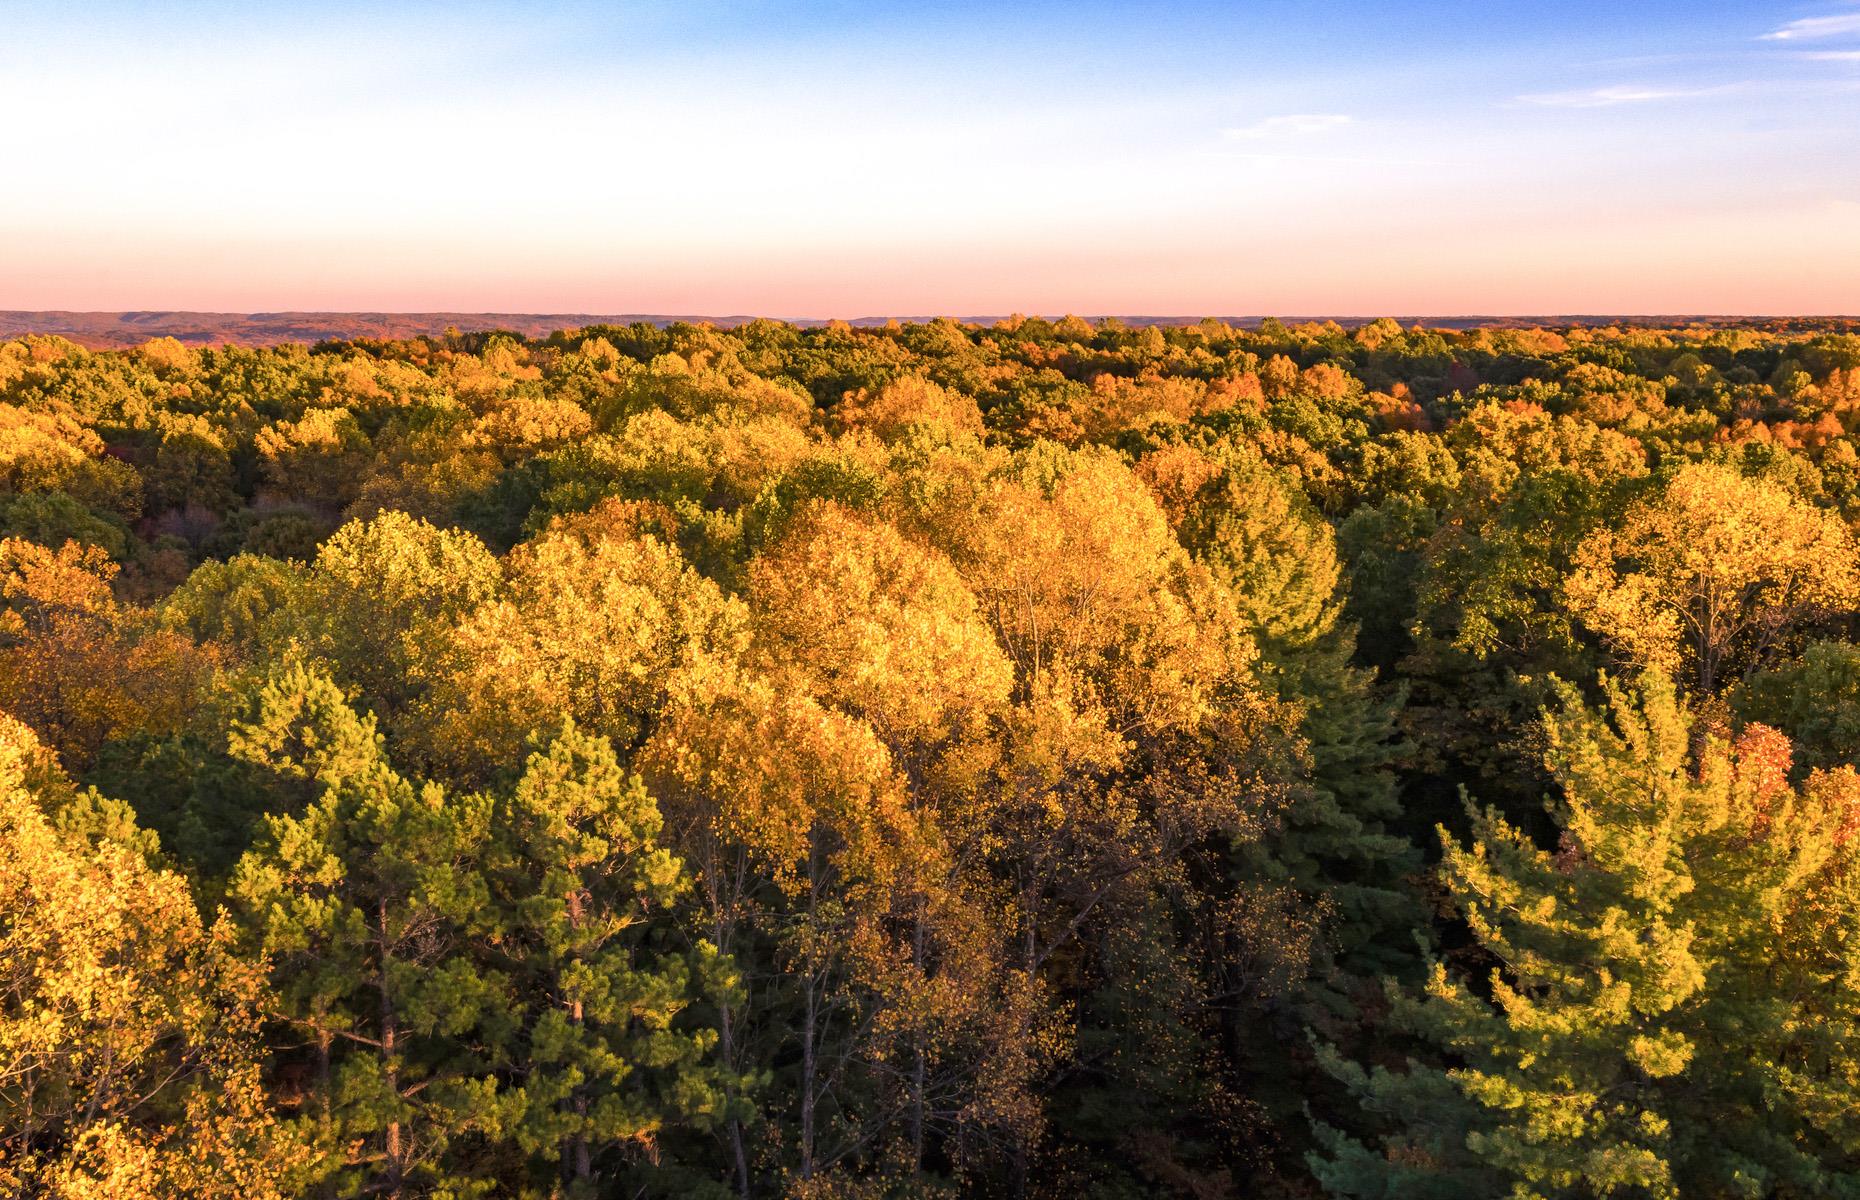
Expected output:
(1043, 759)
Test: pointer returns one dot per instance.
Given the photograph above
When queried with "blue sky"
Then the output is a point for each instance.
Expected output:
(853, 159)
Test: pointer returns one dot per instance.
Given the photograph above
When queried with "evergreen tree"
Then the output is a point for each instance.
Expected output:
(604, 1056)
(1649, 1023)
(1278, 556)
(367, 902)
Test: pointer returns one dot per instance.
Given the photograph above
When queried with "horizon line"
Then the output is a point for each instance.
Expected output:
(20, 314)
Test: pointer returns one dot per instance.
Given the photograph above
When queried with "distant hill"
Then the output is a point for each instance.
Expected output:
(105, 330)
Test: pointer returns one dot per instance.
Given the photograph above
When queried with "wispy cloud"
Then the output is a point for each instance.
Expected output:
(1347, 159)
(1816, 27)
(1624, 93)
(1852, 56)
(1288, 126)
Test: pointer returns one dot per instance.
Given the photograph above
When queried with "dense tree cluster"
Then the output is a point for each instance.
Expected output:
(1042, 759)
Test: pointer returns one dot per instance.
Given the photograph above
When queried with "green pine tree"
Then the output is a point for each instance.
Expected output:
(367, 903)
(1647, 1027)
(1278, 557)
(605, 1053)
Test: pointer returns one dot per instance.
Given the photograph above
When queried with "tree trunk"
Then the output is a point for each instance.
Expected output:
(393, 1161)
(917, 1038)
(579, 1154)
(811, 1014)
(726, 1045)
(325, 1043)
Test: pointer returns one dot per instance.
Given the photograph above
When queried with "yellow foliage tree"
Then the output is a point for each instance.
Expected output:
(1084, 577)
(877, 625)
(1711, 573)
(128, 1048)
(318, 458)
(379, 597)
(37, 450)
(78, 669)
(824, 818)
(588, 625)
(907, 401)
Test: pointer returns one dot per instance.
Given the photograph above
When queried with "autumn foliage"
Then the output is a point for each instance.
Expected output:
(1043, 759)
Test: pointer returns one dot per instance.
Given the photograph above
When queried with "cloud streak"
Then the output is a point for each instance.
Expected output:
(1816, 27)
(1291, 125)
(1625, 93)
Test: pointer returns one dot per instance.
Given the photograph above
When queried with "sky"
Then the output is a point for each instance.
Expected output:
(811, 159)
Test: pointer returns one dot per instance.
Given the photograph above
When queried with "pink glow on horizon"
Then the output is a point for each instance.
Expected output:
(1801, 261)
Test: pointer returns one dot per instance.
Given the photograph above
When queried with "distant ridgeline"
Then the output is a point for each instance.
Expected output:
(1039, 758)
(121, 330)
